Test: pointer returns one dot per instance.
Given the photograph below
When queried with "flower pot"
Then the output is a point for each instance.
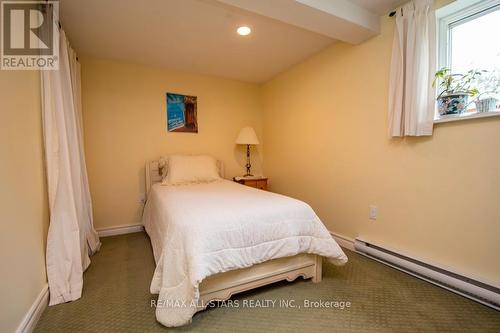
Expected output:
(485, 105)
(452, 103)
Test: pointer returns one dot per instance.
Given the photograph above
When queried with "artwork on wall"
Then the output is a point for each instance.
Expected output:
(181, 113)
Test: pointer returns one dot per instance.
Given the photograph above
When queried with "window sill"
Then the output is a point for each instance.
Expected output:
(465, 117)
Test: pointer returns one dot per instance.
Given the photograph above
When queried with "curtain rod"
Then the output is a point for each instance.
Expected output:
(60, 27)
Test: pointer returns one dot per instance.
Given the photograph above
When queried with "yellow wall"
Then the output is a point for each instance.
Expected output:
(326, 143)
(23, 199)
(125, 126)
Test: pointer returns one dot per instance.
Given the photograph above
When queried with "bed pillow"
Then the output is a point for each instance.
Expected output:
(184, 169)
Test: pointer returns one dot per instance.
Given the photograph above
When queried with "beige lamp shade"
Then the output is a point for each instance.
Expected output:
(247, 136)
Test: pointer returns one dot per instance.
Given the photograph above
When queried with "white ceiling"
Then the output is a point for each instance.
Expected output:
(199, 36)
(337, 19)
(379, 7)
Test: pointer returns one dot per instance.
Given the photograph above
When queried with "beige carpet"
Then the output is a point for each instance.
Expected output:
(116, 298)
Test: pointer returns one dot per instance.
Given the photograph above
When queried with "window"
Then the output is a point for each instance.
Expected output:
(469, 51)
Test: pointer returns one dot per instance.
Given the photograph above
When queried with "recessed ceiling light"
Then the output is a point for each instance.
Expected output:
(244, 31)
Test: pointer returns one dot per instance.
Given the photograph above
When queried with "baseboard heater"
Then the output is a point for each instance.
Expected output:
(476, 290)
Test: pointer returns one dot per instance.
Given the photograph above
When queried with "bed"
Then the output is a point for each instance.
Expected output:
(212, 240)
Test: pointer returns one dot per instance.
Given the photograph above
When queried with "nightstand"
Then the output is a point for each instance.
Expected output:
(260, 183)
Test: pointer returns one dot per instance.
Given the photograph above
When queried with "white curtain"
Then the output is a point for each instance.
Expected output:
(72, 237)
(411, 95)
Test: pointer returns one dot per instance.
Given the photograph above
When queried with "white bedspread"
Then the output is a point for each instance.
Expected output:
(203, 229)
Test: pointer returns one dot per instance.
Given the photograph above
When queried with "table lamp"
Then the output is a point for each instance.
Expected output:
(247, 137)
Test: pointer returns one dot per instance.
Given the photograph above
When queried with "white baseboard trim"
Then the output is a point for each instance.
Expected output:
(120, 230)
(35, 312)
(343, 241)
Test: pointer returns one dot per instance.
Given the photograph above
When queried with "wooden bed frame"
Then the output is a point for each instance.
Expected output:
(222, 286)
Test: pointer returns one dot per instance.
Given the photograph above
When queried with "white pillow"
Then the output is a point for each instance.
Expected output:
(183, 169)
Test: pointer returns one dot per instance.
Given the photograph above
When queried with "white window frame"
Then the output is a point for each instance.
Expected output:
(457, 13)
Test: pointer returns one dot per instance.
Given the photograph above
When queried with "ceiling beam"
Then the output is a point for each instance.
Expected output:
(337, 19)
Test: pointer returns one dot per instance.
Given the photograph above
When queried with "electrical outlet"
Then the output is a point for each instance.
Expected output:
(142, 198)
(373, 212)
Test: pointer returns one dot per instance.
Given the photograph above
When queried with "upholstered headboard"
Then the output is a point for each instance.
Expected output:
(154, 173)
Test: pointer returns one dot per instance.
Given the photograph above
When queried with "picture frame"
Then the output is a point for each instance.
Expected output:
(182, 113)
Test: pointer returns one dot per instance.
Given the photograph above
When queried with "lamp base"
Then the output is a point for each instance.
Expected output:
(248, 166)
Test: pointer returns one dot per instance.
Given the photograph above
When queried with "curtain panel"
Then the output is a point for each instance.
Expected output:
(71, 237)
(413, 64)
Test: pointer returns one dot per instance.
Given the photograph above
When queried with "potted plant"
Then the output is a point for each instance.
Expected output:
(455, 90)
(489, 84)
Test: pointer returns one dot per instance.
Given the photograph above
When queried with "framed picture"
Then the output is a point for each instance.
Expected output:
(182, 113)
